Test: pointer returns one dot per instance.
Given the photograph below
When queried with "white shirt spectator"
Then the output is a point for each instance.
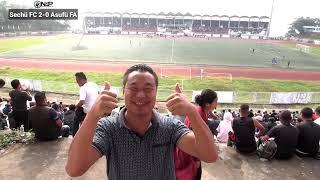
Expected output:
(225, 127)
(258, 118)
(88, 92)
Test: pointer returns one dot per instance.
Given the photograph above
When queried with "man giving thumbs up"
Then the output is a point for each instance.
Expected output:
(139, 142)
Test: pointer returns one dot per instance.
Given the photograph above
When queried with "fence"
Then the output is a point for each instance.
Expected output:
(165, 90)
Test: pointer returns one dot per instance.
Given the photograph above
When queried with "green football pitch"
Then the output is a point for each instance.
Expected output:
(161, 50)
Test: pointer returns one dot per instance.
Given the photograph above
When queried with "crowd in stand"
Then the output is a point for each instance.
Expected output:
(293, 132)
(140, 27)
(209, 29)
(269, 134)
(144, 25)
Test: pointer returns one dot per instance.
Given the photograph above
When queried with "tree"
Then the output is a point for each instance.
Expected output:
(3, 11)
(297, 26)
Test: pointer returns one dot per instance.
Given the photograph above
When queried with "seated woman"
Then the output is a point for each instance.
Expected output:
(188, 167)
(225, 127)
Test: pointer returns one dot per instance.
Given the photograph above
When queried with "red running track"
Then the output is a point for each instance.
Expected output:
(177, 70)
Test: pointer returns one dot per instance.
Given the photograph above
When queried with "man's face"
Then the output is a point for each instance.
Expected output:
(79, 81)
(140, 93)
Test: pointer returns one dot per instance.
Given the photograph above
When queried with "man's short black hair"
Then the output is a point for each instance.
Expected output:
(244, 108)
(72, 107)
(81, 75)
(307, 113)
(15, 83)
(55, 106)
(39, 97)
(285, 117)
(2, 83)
(139, 68)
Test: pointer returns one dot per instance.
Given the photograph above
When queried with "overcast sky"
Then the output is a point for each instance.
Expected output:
(285, 11)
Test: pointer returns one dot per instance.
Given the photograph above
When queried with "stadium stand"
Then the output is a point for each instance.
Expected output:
(176, 24)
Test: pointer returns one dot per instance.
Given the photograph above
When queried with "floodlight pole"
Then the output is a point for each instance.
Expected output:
(268, 30)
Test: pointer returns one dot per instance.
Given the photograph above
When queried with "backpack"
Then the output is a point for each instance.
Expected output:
(267, 149)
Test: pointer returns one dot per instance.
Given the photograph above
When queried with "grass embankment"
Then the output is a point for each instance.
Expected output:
(57, 81)
(14, 44)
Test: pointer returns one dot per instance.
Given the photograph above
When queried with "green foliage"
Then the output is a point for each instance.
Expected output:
(8, 45)
(64, 82)
(118, 49)
(15, 137)
(300, 22)
(316, 50)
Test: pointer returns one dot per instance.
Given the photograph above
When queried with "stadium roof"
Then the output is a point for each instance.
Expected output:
(174, 14)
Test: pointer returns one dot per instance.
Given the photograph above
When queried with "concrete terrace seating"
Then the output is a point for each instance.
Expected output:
(46, 160)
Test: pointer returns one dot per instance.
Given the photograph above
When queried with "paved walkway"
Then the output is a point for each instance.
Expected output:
(46, 160)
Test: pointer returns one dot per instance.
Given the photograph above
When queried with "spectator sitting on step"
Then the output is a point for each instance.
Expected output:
(225, 127)
(266, 115)
(309, 135)
(285, 136)
(45, 120)
(270, 124)
(244, 131)
(69, 117)
(55, 106)
(61, 107)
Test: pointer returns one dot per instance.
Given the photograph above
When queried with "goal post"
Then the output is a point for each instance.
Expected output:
(303, 48)
(221, 76)
(176, 71)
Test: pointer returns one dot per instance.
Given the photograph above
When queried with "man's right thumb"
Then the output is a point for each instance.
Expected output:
(177, 89)
(107, 86)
